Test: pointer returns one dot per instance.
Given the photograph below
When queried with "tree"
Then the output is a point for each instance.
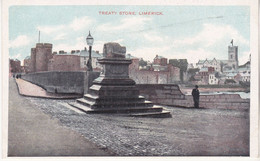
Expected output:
(221, 66)
(180, 63)
(142, 63)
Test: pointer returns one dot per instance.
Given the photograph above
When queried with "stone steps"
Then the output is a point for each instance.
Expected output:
(112, 99)
(113, 92)
(163, 114)
(118, 103)
(154, 111)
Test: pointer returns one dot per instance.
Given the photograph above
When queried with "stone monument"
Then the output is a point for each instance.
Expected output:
(114, 92)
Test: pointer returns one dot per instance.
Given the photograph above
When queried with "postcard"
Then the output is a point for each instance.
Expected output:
(130, 79)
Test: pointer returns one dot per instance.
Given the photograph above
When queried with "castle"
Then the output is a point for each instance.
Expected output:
(40, 56)
(43, 59)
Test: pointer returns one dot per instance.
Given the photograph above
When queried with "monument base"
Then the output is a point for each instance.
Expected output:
(114, 92)
(154, 111)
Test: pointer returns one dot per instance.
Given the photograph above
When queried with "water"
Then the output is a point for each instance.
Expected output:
(242, 94)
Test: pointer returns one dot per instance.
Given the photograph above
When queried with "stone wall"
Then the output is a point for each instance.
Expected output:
(170, 94)
(171, 75)
(64, 63)
(58, 82)
(164, 94)
(221, 101)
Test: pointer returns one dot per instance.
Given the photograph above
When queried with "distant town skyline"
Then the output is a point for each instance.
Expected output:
(187, 32)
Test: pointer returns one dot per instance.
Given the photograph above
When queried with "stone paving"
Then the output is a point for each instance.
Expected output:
(33, 133)
(190, 132)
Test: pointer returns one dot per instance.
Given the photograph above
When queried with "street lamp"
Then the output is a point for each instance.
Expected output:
(90, 41)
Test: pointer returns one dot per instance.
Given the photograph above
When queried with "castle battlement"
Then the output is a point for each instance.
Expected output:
(43, 45)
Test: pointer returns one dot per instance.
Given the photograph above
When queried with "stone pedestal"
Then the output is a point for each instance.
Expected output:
(114, 92)
(89, 77)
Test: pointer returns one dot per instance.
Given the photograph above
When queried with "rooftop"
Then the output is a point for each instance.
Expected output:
(85, 53)
(210, 61)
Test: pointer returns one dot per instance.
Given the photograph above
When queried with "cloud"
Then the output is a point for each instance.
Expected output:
(149, 53)
(81, 23)
(243, 57)
(154, 37)
(60, 36)
(212, 34)
(129, 23)
(50, 29)
(79, 44)
(17, 56)
(193, 55)
(76, 24)
(20, 41)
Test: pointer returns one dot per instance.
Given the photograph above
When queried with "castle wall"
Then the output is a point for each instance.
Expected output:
(64, 63)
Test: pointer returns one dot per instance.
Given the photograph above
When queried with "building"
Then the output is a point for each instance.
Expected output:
(15, 66)
(233, 57)
(84, 56)
(216, 64)
(64, 62)
(245, 77)
(222, 65)
(213, 79)
(160, 60)
(153, 73)
(26, 64)
(40, 56)
(206, 75)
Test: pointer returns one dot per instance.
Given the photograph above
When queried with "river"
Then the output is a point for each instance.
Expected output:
(242, 94)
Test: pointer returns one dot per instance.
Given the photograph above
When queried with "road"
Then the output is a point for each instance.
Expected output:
(190, 132)
(33, 133)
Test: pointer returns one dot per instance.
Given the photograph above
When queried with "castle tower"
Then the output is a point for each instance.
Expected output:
(33, 60)
(43, 54)
(233, 56)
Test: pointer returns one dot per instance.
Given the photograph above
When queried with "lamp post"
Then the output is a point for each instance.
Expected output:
(90, 41)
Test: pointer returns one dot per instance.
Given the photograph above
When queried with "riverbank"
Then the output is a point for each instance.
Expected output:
(188, 90)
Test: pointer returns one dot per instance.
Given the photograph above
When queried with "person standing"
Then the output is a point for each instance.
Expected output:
(196, 96)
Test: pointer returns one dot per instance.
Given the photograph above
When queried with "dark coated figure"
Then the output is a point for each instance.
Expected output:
(196, 96)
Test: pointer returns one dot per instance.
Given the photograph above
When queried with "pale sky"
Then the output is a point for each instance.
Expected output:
(188, 32)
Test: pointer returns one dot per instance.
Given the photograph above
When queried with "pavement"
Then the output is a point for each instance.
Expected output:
(29, 89)
(40, 127)
(33, 133)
